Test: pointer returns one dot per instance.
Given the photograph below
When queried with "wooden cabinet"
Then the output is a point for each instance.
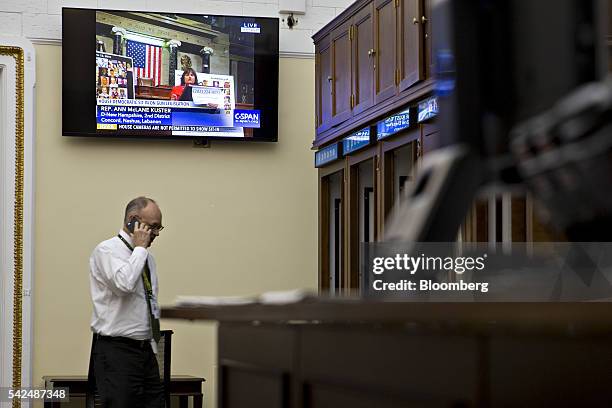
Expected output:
(363, 59)
(341, 73)
(411, 45)
(369, 60)
(426, 25)
(323, 91)
(430, 138)
(399, 37)
(385, 34)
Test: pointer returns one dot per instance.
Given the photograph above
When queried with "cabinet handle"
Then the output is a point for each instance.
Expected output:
(329, 78)
(423, 19)
(415, 20)
(371, 52)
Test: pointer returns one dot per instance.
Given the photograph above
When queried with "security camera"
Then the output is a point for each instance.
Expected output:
(291, 21)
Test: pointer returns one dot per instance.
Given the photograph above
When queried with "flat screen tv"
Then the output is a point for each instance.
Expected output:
(132, 74)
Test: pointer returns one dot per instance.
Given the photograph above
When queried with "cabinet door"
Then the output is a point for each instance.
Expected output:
(430, 138)
(324, 84)
(363, 59)
(317, 112)
(427, 30)
(410, 52)
(341, 68)
(385, 38)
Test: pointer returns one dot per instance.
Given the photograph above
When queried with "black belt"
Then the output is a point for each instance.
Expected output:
(126, 340)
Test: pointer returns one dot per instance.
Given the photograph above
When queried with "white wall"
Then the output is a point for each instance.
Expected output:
(40, 20)
(241, 219)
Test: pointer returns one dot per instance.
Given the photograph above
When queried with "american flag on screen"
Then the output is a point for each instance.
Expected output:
(147, 60)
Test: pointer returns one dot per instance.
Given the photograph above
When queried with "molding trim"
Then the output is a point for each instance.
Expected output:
(46, 41)
(17, 65)
(290, 54)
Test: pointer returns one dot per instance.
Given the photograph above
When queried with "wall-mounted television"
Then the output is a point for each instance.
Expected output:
(139, 74)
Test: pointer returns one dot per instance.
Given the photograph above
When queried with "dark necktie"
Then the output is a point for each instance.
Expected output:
(146, 280)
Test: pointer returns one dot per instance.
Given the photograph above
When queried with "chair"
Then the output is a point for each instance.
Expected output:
(145, 81)
(164, 352)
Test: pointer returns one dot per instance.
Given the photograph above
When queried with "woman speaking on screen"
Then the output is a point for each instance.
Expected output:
(188, 78)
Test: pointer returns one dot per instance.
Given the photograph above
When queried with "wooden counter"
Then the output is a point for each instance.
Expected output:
(351, 353)
(537, 317)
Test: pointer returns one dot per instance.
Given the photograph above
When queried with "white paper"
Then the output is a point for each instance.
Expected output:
(208, 96)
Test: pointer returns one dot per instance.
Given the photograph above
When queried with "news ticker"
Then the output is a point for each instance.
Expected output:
(175, 118)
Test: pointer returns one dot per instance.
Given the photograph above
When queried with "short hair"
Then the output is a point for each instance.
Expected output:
(136, 205)
(187, 71)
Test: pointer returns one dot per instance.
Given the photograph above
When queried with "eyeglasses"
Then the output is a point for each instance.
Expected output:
(154, 227)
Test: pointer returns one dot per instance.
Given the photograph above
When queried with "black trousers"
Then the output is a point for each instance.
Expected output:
(126, 373)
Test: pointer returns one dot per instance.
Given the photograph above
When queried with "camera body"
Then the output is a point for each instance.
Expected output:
(502, 62)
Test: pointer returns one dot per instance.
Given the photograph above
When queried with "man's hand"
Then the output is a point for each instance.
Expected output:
(141, 235)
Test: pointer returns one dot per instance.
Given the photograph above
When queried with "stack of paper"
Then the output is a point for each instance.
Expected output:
(268, 298)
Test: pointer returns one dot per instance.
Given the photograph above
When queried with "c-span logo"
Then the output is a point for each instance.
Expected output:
(246, 118)
(250, 28)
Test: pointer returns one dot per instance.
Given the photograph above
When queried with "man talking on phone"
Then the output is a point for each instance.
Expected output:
(125, 317)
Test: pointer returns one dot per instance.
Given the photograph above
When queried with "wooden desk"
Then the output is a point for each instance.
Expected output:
(363, 354)
(161, 92)
(181, 386)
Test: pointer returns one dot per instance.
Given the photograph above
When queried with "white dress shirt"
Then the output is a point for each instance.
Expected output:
(117, 291)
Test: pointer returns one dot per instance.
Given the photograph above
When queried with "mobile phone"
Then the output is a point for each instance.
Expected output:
(132, 224)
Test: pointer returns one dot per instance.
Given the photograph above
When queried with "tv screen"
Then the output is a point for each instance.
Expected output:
(129, 74)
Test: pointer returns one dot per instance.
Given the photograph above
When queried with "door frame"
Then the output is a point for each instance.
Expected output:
(351, 205)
